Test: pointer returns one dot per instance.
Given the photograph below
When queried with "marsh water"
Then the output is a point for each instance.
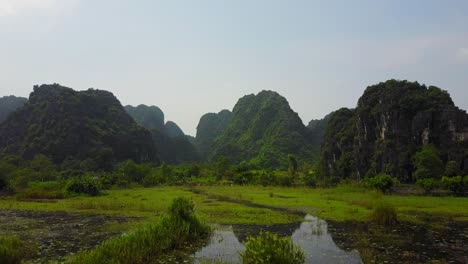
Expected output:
(324, 242)
(311, 235)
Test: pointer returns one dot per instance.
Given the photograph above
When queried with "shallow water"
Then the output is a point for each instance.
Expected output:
(311, 235)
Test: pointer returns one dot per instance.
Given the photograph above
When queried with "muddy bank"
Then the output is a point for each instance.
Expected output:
(53, 235)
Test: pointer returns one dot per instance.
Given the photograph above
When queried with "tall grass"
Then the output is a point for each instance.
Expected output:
(384, 213)
(179, 228)
(11, 250)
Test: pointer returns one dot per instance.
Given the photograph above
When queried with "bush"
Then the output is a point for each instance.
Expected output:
(85, 184)
(382, 182)
(311, 180)
(42, 190)
(11, 250)
(269, 248)
(384, 213)
(457, 185)
(427, 184)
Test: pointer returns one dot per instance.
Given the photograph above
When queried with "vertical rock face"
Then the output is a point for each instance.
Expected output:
(392, 121)
(9, 104)
(211, 126)
(62, 123)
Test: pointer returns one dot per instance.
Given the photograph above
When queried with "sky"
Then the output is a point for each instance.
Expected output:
(194, 57)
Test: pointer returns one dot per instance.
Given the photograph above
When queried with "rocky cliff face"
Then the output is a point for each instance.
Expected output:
(62, 124)
(9, 104)
(392, 121)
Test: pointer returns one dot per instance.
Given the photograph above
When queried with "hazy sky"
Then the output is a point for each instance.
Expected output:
(199, 56)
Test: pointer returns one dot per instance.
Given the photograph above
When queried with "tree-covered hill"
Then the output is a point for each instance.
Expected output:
(393, 121)
(211, 126)
(263, 130)
(9, 104)
(172, 144)
(65, 124)
(150, 117)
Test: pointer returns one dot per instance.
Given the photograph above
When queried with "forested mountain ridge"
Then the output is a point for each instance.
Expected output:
(263, 130)
(62, 123)
(172, 145)
(394, 120)
(9, 104)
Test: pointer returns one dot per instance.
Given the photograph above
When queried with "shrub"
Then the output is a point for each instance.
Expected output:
(269, 248)
(427, 184)
(382, 182)
(311, 179)
(384, 213)
(458, 184)
(42, 190)
(11, 250)
(85, 184)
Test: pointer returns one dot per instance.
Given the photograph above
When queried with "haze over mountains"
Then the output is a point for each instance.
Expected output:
(392, 121)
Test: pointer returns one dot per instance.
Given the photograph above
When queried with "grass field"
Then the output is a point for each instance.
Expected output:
(339, 204)
(126, 210)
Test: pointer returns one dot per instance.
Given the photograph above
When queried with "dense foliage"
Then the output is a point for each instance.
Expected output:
(64, 124)
(263, 130)
(390, 132)
(269, 248)
(9, 104)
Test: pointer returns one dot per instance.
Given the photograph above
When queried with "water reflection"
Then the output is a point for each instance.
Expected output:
(312, 235)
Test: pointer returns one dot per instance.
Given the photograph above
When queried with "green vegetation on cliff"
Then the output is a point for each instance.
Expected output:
(172, 145)
(392, 122)
(9, 104)
(64, 124)
(263, 130)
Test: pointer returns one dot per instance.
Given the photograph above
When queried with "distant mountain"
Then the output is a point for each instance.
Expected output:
(9, 104)
(211, 126)
(150, 117)
(392, 121)
(65, 124)
(317, 130)
(173, 130)
(264, 129)
(172, 145)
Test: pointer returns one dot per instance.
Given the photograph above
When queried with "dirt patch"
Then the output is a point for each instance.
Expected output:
(56, 234)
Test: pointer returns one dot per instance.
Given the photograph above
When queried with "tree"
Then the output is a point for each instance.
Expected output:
(292, 165)
(44, 169)
(428, 164)
(452, 169)
(222, 165)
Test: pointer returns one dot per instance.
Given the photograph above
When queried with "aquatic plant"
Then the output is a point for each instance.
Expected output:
(269, 248)
(11, 250)
(384, 213)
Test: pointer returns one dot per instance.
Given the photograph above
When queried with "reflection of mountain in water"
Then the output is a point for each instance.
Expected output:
(224, 246)
(318, 244)
(312, 235)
